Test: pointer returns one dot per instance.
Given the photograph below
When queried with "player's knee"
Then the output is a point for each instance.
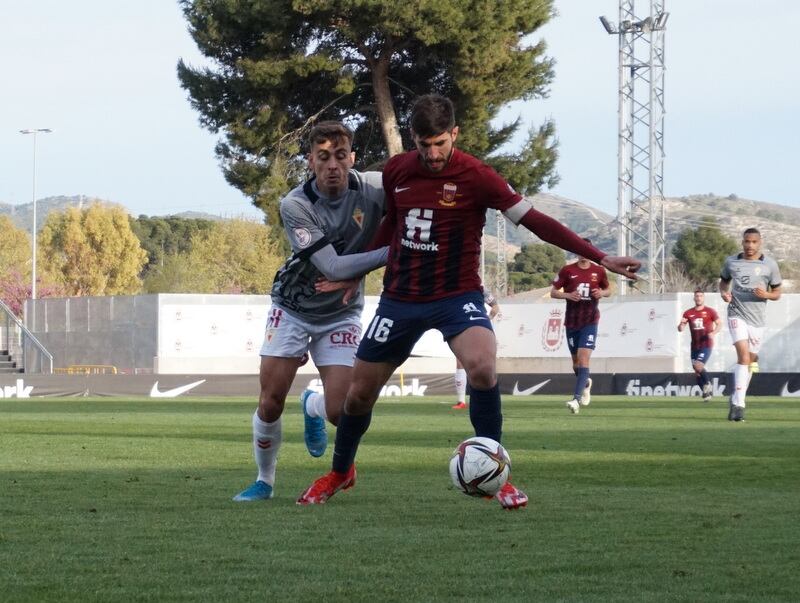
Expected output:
(270, 406)
(482, 376)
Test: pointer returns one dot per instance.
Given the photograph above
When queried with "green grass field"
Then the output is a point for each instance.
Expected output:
(631, 500)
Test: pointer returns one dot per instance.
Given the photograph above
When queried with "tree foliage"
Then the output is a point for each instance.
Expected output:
(162, 237)
(279, 65)
(91, 251)
(700, 252)
(231, 256)
(535, 266)
(15, 249)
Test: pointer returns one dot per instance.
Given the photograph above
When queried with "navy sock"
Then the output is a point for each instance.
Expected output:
(484, 412)
(581, 381)
(704, 378)
(348, 435)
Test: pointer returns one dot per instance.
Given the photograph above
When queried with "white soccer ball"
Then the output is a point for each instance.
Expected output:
(480, 467)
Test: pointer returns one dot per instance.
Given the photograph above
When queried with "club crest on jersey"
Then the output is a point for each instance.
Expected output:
(302, 236)
(448, 195)
(358, 217)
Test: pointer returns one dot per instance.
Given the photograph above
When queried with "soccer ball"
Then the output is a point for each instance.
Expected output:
(479, 467)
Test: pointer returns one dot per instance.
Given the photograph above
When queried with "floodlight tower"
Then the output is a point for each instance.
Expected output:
(640, 181)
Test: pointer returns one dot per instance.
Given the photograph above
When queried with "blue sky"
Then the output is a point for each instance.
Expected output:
(101, 74)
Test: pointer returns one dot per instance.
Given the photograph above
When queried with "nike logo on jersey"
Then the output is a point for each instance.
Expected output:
(786, 393)
(175, 391)
(397, 189)
(528, 391)
(573, 276)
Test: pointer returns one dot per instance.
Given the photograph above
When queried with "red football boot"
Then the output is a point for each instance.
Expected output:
(510, 497)
(328, 485)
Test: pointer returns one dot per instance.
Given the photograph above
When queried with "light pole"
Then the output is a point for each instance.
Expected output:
(34, 131)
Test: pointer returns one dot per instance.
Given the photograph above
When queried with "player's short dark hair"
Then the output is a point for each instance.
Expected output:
(325, 131)
(751, 231)
(699, 290)
(431, 115)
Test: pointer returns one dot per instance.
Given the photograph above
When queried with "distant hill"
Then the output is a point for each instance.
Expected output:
(780, 224)
(22, 215)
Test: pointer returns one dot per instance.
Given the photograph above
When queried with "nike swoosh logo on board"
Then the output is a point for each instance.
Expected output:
(786, 393)
(175, 391)
(528, 391)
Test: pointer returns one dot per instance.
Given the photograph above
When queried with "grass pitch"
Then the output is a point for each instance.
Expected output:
(631, 500)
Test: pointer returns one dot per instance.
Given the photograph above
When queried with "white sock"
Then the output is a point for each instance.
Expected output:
(315, 406)
(741, 379)
(460, 379)
(266, 443)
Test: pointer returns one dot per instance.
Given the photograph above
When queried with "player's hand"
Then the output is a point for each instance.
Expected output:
(624, 265)
(760, 293)
(597, 293)
(726, 296)
(573, 296)
(323, 285)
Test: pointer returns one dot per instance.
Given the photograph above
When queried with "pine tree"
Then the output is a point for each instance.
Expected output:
(279, 65)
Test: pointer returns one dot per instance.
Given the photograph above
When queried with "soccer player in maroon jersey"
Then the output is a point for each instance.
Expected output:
(436, 202)
(703, 323)
(582, 284)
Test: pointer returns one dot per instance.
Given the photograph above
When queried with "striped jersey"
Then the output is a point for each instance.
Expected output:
(574, 278)
(438, 222)
(311, 221)
(746, 276)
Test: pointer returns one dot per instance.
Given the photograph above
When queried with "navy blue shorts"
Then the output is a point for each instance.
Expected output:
(398, 325)
(584, 337)
(701, 355)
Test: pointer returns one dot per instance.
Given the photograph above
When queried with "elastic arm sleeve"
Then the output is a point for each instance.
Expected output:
(552, 231)
(336, 267)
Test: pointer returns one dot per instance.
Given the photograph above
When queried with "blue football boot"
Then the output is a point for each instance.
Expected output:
(314, 433)
(258, 490)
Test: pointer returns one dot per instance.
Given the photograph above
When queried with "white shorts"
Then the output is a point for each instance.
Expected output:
(331, 343)
(740, 331)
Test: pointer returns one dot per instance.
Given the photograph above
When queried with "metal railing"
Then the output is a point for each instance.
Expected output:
(22, 344)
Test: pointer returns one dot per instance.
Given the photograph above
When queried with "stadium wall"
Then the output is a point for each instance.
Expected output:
(176, 334)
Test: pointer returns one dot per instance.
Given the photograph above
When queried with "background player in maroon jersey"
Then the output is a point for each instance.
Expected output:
(582, 284)
(436, 202)
(703, 323)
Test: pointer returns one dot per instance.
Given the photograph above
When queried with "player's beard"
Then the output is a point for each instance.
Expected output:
(440, 165)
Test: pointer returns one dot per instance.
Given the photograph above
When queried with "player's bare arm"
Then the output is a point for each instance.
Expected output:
(774, 294)
(725, 290)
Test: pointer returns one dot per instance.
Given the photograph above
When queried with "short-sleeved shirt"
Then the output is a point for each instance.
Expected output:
(701, 325)
(438, 222)
(312, 221)
(583, 280)
(748, 275)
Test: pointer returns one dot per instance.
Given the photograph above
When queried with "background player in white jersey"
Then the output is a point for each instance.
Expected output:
(747, 281)
(334, 214)
(460, 376)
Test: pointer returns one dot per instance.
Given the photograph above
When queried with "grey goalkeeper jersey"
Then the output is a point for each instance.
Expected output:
(312, 222)
(746, 276)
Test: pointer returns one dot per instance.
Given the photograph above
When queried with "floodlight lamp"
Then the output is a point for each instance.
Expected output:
(645, 25)
(625, 25)
(611, 28)
(661, 21)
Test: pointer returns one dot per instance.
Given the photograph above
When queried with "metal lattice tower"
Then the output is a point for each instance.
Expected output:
(501, 278)
(640, 190)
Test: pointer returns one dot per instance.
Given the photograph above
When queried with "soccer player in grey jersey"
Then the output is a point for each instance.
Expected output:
(334, 214)
(747, 281)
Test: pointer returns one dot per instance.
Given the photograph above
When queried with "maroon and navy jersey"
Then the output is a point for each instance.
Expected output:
(583, 280)
(701, 325)
(438, 220)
